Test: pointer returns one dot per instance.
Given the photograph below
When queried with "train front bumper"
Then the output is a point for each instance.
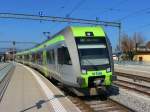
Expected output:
(91, 79)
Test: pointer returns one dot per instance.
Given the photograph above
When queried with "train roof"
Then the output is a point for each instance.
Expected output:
(78, 31)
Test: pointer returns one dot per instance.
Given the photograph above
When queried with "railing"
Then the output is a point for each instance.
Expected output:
(5, 69)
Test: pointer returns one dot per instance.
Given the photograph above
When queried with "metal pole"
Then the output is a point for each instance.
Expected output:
(14, 50)
(119, 37)
(119, 40)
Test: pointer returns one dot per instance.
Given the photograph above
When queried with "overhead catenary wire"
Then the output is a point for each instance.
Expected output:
(140, 27)
(76, 7)
(58, 19)
(133, 14)
(120, 3)
(17, 42)
(113, 8)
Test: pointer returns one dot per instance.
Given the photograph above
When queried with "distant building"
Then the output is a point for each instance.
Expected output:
(142, 53)
(142, 56)
(116, 55)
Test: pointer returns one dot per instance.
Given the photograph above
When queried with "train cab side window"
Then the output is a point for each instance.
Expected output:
(64, 56)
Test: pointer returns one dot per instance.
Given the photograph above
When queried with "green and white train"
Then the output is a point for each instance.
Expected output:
(78, 57)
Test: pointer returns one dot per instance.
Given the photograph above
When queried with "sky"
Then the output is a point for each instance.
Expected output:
(134, 16)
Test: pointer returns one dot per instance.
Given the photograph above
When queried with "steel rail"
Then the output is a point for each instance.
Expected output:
(95, 105)
(133, 86)
(134, 77)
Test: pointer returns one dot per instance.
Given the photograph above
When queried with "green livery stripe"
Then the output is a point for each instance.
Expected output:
(47, 43)
(77, 32)
(80, 31)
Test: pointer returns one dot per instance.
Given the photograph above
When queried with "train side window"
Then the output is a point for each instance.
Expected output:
(67, 59)
(33, 57)
(64, 56)
(60, 55)
(26, 57)
(39, 57)
(50, 56)
(53, 56)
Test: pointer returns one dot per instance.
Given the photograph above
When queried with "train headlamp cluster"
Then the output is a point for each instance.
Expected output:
(108, 70)
(84, 71)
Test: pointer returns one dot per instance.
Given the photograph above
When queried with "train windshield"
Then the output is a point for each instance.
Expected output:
(92, 51)
(93, 54)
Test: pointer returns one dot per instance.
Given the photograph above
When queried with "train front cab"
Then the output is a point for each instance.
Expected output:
(95, 60)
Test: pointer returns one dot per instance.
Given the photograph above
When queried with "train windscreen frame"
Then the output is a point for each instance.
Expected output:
(93, 51)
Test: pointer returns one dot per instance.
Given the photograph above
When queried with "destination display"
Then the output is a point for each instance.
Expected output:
(90, 40)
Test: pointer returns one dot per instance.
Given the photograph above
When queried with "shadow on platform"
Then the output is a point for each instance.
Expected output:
(38, 105)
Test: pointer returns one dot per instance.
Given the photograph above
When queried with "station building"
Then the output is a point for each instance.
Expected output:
(142, 54)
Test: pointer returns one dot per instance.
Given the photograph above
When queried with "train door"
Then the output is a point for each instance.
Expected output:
(30, 59)
(59, 62)
(44, 62)
(65, 64)
(35, 58)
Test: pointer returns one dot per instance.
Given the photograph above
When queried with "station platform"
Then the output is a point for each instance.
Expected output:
(138, 70)
(29, 91)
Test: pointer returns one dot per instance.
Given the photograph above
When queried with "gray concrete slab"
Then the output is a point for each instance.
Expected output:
(25, 94)
(133, 69)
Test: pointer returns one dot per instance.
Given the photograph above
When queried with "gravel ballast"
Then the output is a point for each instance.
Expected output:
(133, 100)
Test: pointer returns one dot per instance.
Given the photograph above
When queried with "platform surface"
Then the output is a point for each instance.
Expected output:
(29, 91)
(133, 69)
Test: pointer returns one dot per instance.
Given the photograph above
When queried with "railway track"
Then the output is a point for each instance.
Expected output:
(133, 86)
(96, 104)
(134, 77)
(99, 103)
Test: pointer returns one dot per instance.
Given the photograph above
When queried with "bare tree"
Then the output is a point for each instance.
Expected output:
(148, 45)
(129, 44)
(126, 46)
(117, 48)
(125, 43)
(137, 39)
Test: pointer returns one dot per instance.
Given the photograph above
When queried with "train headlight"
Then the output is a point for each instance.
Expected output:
(108, 70)
(83, 71)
